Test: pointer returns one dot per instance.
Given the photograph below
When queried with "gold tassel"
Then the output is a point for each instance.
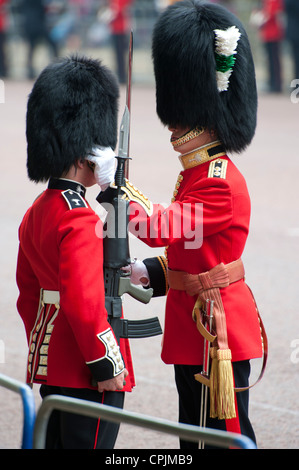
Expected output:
(213, 382)
(226, 395)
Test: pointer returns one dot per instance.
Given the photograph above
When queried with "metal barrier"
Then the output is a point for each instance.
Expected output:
(96, 410)
(35, 424)
(28, 407)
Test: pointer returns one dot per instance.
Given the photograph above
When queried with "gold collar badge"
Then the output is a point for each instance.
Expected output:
(202, 154)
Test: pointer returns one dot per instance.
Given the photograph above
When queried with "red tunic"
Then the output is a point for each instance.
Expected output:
(3, 14)
(272, 29)
(224, 220)
(121, 17)
(60, 251)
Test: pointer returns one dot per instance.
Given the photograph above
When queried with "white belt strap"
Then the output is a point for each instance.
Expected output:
(50, 297)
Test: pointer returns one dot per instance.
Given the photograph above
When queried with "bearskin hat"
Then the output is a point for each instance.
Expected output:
(186, 65)
(73, 107)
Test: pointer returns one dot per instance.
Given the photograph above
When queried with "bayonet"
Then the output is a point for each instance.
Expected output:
(124, 133)
(128, 101)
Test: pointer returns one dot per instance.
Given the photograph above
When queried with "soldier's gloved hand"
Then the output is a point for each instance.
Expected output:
(104, 162)
(138, 272)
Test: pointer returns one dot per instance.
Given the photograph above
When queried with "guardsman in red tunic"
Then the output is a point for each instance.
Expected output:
(206, 95)
(72, 111)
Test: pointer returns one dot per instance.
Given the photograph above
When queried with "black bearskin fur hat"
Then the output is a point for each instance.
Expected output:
(183, 50)
(73, 107)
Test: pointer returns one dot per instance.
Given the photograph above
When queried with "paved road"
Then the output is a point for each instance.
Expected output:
(271, 166)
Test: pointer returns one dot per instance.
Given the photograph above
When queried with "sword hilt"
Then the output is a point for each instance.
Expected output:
(208, 316)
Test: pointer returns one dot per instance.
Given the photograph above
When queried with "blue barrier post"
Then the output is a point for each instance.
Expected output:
(28, 407)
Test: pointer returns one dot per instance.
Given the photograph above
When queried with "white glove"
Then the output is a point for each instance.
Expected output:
(138, 272)
(104, 160)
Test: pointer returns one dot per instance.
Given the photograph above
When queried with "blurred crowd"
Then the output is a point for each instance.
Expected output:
(56, 23)
(78, 24)
(277, 21)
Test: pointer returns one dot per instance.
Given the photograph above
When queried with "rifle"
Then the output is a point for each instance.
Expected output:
(116, 242)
